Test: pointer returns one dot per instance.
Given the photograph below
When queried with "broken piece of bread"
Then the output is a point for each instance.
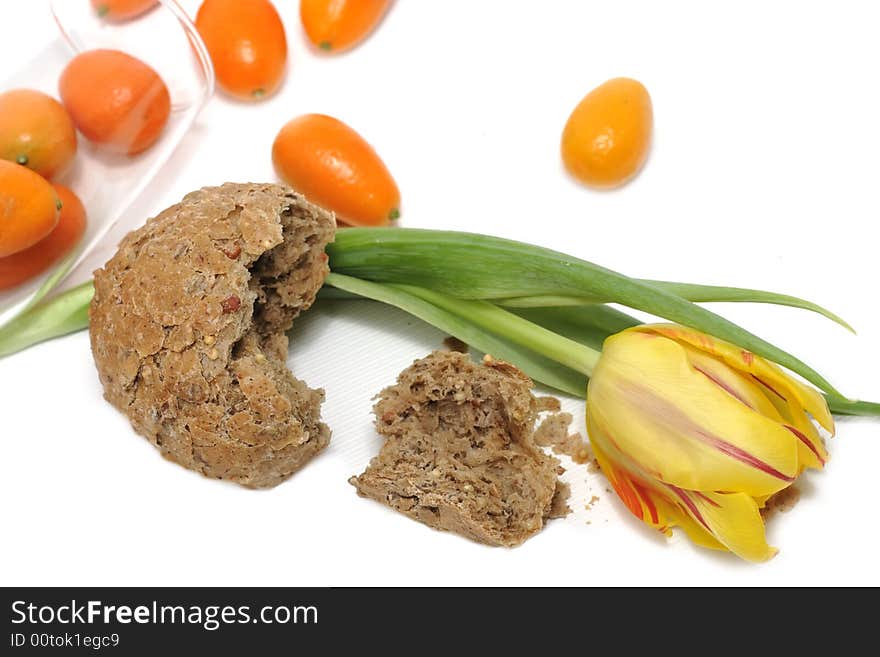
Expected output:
(459, 452)
(188, 330)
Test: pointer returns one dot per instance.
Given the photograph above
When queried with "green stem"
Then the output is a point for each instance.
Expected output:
(575, 355)
(537, 366)
(589, 325)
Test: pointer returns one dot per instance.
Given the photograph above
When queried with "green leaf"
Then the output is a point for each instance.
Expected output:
(689, 291)
(546, 300)
(711, 293)
(841, 406)
(472, 266)
(534, 365)
(66, 313)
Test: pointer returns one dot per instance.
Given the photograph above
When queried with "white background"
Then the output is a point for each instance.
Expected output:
(764, 173)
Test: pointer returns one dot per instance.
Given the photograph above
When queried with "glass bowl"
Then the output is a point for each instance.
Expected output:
(107, 183)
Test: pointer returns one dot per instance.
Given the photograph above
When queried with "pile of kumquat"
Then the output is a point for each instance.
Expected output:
(112, 99)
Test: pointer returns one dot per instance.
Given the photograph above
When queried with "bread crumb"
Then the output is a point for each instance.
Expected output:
(547, 404)
(553, 433)
(559, 505)
(553, 430)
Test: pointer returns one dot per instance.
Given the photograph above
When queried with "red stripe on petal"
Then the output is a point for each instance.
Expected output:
(806, 441)
(689, 503)
(742, 455)
(718, 382)
(706, 499)
(646, 498)
(629, 496)
(769, 387)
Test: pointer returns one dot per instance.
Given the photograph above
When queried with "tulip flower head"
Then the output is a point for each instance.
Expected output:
(697, 433)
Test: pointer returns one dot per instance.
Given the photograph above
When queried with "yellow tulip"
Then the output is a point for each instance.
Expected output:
(697, 433)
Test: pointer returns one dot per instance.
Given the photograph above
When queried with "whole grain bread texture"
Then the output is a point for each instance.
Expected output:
(188, 330)
(459, 453)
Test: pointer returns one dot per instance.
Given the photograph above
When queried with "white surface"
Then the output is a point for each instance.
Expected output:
(763, 173)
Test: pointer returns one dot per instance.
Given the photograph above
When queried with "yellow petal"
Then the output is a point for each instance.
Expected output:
(733, 519)
(762, 500)
(695, 532)
(650, 505)
(811, 448)
(742, 388)
(768, 374)
(635, 494)
(718, 521)
(680, 426)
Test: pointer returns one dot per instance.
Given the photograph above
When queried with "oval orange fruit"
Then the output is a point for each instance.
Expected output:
(36, 131)
(247, 45)
(115, 100)
(607, 137)
(334, 167)
(337, 25)
(122, 10)
(24, 265)
(28, 208)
